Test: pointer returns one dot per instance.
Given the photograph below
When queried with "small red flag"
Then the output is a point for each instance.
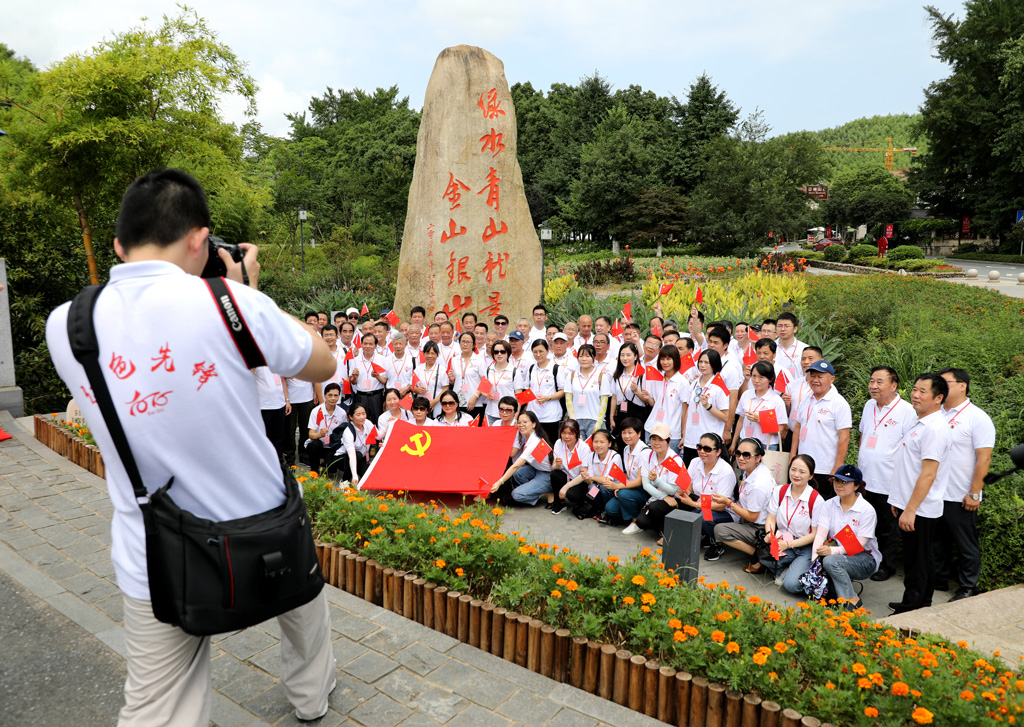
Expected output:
(423, 359)
(638, 371)
(776, 553)
(365, 311)
(672, 466)
(525, 397)
(627, 312)
(448, 368)
(392, 318)
(574, 461)
(350, 355)
(849, 541)
(416, 380)
(700, 295)
(616, 329)
(616, 473)
(406, 401)
(752, 335)
(319, 417)
(720, 383)
(483, 420)
(371, 438)
(685, 363)
(346, 387)
(769, 421)
(391, 346)
(458, 328)
(541, 451)
(656, 328)
(781, 382)
(654, 375)
(485, 386)
(705, 507)
(377, 368)
(590, 442)
(749, 356)
(665, 288)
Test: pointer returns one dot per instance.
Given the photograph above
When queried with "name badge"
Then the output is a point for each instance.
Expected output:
(871, 442)
(465, 387)
(581, 399)
(622, 405)
(748, 431)
(592, 492)
(661, 415)
(695, 419)
(367, 384)
(803, 433)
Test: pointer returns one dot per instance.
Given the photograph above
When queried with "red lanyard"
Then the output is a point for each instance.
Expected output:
(664, 393)
(367, 369)
(465, 365)
(586, 383)
(632, 458)
(789, 520)
(807, 417)
(607, 467)
(704, 480)
(788, 354)
(661, 466)
(759, 403)
(951, 425)
(540, 371)
(894, 405)
(398, 371)
(498, 377)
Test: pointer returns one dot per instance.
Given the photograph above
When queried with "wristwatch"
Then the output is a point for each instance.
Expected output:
(976, 496)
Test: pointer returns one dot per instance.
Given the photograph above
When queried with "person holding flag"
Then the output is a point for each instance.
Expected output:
(393, 412)
(497, 382)
(567, 468)
(540, 387)
(529, 477)
(628, 496)
(451, 416)
(668, 400)
(469, 370)
(761, 411)
(401, 366)
(790, 527)
(708, 405)
(420, 409)
(587, 392)
(323, 420)
(695, 325)
(663, 479)
(368, 377)
(430, 380)
(751, 509)
(588, 498)
(709, 475)
(626, 387)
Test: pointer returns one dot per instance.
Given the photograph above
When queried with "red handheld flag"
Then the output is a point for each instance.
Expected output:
(683, 480)
(391, 346)
(423, 359)
(616, 329)
(672, 466)
(700, 296)
(392, 318)
(769, 421)
(541, 451)
(781, 382)
(483, 420)
(685, 363)
(406, 401)
(365, 311)
(654, 375)
(346, 387)
(458, 328)
(656, 328)
(377, 368)
(350, 355)
(627, 312)
(776, 553)
(485, 386)
(749, 356)
(720, 383)
(371, 438)
(665, 288)
(416, 380)
(574, 461)
(319, 417)
(638, 371)
(616, 473)
(849, 541)
(752, 335)
(525, 397)
(590, 442)
(705, 507)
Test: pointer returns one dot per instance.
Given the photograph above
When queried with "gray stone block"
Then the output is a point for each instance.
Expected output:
(354, 627)
(493, 665)
(419, 658)
(380, 711)
(487, 690)
(246, 644)
(349, 694)
(529, 708)
(475, 716)
(91, 619)
(571, 718)
(225, 713)
(370, 667)
(601, 709)
(345, 650)
(387, 641)
(248, 686)
(271, 705)
(225, 669)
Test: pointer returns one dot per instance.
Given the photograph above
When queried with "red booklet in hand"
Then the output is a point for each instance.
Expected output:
(541, 451)
(849, 541)
(525, 397)
(769, 421)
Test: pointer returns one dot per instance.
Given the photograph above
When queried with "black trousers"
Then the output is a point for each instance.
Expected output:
(652, 517)
(551, 429)
(373, 401)
(958, 528)
(298, 419)
(558, 480)
(273, 425)
(918, 564)
(887, 530)
(689, 454)
(320, 457)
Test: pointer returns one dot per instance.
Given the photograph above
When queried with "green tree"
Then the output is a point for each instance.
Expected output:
(869, 196)
(706, 117)
(658, 213)
(974, 118)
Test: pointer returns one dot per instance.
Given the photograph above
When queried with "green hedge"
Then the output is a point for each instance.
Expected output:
(990, 257)
(906, 252)
(835, 253)
(859, 251)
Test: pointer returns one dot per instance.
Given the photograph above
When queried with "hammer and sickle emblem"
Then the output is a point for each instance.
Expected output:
(420, 449)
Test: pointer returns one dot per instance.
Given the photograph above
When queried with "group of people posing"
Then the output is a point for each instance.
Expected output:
(740, 422)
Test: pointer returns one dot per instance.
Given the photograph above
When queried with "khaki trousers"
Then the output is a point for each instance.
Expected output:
(169, 671)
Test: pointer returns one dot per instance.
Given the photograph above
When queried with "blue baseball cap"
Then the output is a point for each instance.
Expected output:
(518, 335)
(823, 366)
(849, 473)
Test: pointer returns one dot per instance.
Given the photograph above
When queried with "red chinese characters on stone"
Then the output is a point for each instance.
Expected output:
(457, 268)
(458, 303)
(150, 403)
(88, 394)
(492, 142)
(495, 263)
(164, 359)
(491, 231)
(452, 191)
(495, 307)
(454, 230)
(490, 107)
(122, 369)
(492, 189)
(204, 372)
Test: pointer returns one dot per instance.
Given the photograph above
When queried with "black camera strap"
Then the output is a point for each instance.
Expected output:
(235, 323)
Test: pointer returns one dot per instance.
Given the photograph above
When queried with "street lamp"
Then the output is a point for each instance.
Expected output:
(302, 244)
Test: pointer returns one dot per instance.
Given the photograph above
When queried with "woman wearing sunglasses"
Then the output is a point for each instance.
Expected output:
(420, 407)
(468, 368)
(710, 475)
(529, 477)
(791, 523)
(501, 375)
(451, 416)
(751, 509)
(848, 509)
(707, 408)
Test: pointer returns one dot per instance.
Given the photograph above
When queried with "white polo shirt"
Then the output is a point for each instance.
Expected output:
(860, 517)
(542, 382)
(882, 430)
(820, 422)
(587, 391)
(504, 385)
(319, 419)
(749, 401)
(970, 429)
(535, 333)
(794, 515)
(732, 372)
(580, 340)
(565, 454)
(633, 459)
(755, 491)
(788, 357)
(467, 376)
(721, 480)
(699, 420)
(669, 399)
(566, 361)
(666, 477)
(928, 438)
(598, 468)
(798, 390)
(366, 381)
(544, 465)
(268, 384)
(181, 388)
(400, 371)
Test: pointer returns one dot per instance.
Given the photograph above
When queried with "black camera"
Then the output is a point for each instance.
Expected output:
(215, 267)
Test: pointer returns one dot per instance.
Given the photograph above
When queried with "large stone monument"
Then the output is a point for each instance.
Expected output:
(11, 397)
(469, 242)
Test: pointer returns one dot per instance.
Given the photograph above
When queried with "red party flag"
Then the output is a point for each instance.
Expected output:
(406, 401)
(458, 328)
(616, 329)
(423, 359)
(365, 311)
(720, 383)
(749, 356)
(616, 473)
(541, 451)
(590, 442)
(752, 335)
(656, 328)
(849, 541)
(705, 507)
(377, 368)
(781, 382)
(525, 397)
(371, 438)
(483, 420)
(391, 345)
(416, 380)
(776, 553)
(654, 375)
(769, 421)
(685, 363)
(638, 371)
(319, 417)
(627, 311)
(682, 476)
(700, 295)
(665, 288)
(574, 461)
(485, 386)
(392, 318)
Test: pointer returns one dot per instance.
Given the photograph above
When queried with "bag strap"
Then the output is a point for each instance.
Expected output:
(782, 492)
(235, 323)
(86, 349)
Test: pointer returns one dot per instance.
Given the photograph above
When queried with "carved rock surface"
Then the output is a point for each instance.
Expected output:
(469, 243)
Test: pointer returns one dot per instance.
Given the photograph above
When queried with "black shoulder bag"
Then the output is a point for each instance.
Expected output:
(209, 577)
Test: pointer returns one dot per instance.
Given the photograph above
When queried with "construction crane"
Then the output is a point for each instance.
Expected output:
(890, 152)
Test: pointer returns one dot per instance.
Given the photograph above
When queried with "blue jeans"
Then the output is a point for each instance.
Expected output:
(707, 527)
(586, 427)
(798, 560)
(627, 505)
(530, 484)
(841, 569)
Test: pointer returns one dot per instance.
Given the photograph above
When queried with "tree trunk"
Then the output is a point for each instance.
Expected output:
(83, 222)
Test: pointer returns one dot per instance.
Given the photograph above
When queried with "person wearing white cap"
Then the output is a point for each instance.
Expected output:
(560, 353)
(821, 425)
(659, 482)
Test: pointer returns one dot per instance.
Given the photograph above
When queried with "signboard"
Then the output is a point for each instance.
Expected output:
(888, 231)
(810, 238)
(771, 233)
(545, 233)
(818, 191)
(302, 215)
(828, 231)
(1020, 216)
(965, 226)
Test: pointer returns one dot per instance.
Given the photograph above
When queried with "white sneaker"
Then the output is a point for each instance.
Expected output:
(631, 529)
(781, 576)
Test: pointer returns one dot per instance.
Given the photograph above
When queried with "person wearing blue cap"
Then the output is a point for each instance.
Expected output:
(821, 426)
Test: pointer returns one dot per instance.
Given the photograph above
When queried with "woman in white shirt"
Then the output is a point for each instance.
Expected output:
(791, 521)
(450, 414)
(469, 369)
(393, 412)
(431, 379)
(547, 384)
(587, 497)
(586, 393)
(420, 408)
(710, 475)
(626, 387)
(501, 374)
(708, 407)
(760, 397)
(353, 452)
(529, 477)
(659, 481)
(669, 399)
(848, 508)
(627, 498)
(571, 455)
(751, 509)
(323, 420)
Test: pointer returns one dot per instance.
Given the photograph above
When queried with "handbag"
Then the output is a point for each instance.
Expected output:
(209, 577)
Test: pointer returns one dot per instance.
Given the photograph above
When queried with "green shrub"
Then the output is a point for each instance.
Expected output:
(906, 252)
(859, 251)
(961, 254)
(596, 272)
(812, 255)
(835, 253)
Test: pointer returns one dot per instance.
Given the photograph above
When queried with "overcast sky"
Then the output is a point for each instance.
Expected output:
(808, 64)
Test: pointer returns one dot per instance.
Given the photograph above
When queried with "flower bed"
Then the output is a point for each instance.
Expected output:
(69, 441)
(815, 658)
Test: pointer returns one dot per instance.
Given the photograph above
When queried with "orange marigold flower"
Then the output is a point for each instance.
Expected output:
(674, 623)
(829, 685)
(690, 630)
(926, 673)
(877, 679)
(638, 580)
(864, 683)
(724, 616)
(439, 563)
(613, 559)
(561, 582)
(900, 689)
(629, 600)
(572, 586)
(859, 668)
(679, 636)
(556, 568)
(649, 599)
(774, 616)
(870, 712)
(382, 507)
(732, 648)
(645, 609)
(915, 694)
(718, 636)
(556, 593)
(922, 716)
(759, 658)
(967, 695)
(497, 511)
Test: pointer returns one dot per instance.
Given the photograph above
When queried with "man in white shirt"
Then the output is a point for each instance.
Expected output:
(540, 322)
(368, 375)
(973, 437)
(561, 355)
(732, 373)
(822, 423)
(767, 329)
(918, 489)
(206, 396)
(412, 346)
(400, 366)
(448, 346)
(586, 332)
(787, 355)
(886, 417)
